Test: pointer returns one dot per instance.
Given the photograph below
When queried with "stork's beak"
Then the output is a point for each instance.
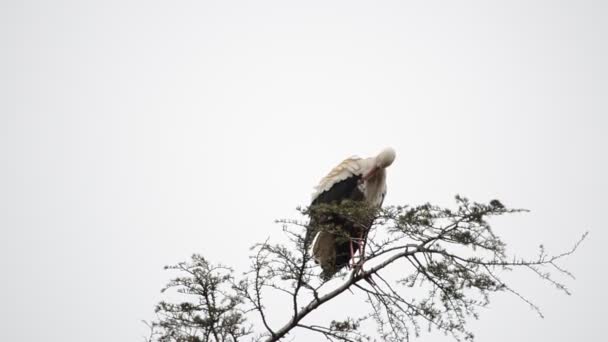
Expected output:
(370, 174)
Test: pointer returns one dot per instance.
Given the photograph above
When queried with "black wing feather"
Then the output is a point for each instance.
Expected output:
(347, 189)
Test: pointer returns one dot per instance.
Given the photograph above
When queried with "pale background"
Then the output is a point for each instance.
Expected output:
(135, 133)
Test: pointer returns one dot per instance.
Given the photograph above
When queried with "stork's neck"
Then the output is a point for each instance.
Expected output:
(378, 178)
(374, 187)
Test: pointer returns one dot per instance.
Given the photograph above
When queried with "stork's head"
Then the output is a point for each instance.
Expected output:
(385, 158)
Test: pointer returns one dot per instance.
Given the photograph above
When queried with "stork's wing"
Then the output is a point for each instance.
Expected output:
(346, 169)
(341, 183)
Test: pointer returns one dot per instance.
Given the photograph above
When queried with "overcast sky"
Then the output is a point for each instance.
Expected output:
(135, 133)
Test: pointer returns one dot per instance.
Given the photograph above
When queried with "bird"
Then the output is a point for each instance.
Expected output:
(354, 180)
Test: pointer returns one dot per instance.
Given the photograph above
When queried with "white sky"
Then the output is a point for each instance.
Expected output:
(135, 133)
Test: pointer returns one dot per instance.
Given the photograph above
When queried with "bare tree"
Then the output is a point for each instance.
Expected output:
(452, 255)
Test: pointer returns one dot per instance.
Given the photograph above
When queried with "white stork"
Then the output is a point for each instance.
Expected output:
(354, 179)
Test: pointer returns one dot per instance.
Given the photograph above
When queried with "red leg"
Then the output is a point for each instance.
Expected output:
(362, 250)
(352, 252)
(362, 246)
